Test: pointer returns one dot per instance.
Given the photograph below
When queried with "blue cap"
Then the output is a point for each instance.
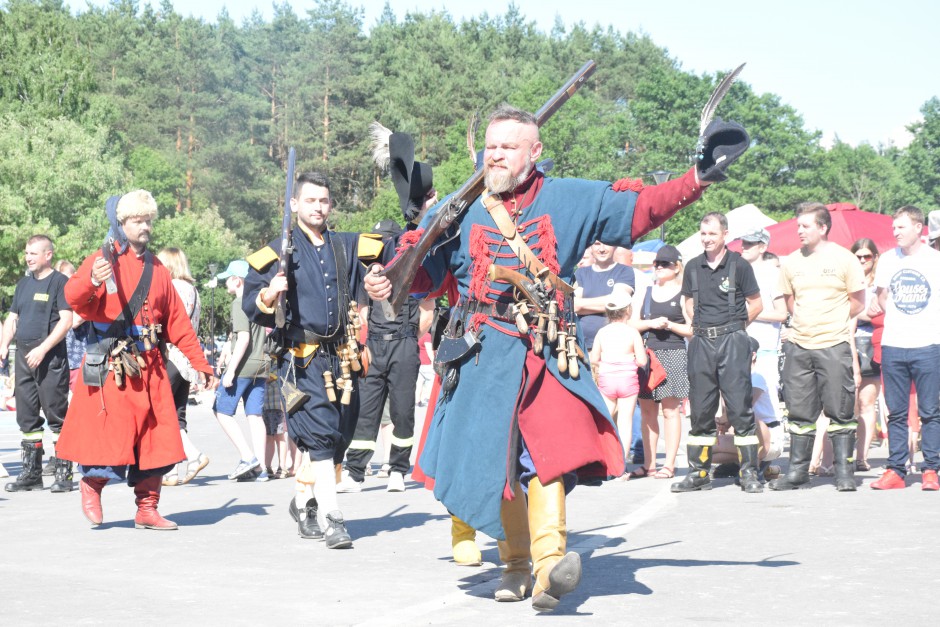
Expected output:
(238, 268)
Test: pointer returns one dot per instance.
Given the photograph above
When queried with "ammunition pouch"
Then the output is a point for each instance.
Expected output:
(97, 362)
(293, 397)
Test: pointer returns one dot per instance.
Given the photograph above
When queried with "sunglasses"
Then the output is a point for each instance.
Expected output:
(865, 257)
(663, 264)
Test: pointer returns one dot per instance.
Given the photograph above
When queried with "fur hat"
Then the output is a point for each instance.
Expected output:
(138, 203)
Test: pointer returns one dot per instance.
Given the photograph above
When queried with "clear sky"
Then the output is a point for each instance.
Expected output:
(858, 70)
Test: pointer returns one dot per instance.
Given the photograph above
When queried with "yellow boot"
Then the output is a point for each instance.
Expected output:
(462, 539)
(556, 573)
(515, 584)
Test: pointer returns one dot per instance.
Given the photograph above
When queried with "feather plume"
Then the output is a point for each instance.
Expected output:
(709, 111)
(472, 127)
(380, 136)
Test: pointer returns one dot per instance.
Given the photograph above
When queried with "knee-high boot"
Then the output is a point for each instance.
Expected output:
(148, 497)
(700, 462)
(463, 542)
(801, 450)
(843, 453)
(749, 475)
(515, 584)
(556, 572)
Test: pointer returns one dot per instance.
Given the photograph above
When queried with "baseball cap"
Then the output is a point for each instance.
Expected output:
(669, 254)
(756, 236)
(618, 301)
(238, 268)
(933, 225)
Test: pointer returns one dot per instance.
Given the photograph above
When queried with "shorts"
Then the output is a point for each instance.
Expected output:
(249, 390)
(618, 379)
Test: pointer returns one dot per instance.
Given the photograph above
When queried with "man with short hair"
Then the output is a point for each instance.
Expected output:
(122, 421)
(243, 380)
(508, 420)
(595, 286)
(824, 289)
(907, 281)
(39, 319)
(323, 277)
(722, 298)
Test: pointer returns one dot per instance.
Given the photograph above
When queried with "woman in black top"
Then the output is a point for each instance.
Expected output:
(660, 316)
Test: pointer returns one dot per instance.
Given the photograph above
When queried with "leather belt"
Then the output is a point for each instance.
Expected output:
(388, 337)
(713, 332)
(497, 311)
(299, 334)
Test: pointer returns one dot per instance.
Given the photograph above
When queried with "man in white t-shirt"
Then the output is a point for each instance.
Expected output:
(907, 282)
(766, 327)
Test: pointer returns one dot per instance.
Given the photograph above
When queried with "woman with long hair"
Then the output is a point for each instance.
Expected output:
(178, 368)
(659, 314)
(866, 395)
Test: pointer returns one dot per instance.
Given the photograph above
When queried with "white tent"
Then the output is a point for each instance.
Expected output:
(740, 221)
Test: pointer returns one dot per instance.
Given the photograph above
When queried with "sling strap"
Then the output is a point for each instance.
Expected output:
(507, 228)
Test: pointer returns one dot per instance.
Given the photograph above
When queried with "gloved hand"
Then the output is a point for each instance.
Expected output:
(719, 146)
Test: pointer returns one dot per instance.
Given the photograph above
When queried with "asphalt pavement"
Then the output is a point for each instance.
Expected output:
(803, 557)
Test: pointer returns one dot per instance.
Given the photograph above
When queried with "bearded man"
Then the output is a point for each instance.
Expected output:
(518, 419)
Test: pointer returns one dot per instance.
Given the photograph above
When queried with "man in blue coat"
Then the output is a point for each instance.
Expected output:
(518, 419)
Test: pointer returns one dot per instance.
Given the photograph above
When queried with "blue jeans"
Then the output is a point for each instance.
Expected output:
(900, 367)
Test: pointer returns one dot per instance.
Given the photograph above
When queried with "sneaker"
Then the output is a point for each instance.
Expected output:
(263, 476)
(244, 468)
(396, 482)
(890, 480)
(348, 485)
(929, 481)
(336, 535)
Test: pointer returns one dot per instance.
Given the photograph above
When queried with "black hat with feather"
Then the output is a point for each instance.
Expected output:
(413, 180)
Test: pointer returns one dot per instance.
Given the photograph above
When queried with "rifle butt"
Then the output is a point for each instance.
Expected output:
(401, 274)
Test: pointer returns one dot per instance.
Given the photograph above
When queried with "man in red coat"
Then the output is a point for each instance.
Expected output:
(124, 415)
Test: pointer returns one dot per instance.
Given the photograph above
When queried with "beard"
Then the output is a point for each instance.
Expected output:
(501, 181)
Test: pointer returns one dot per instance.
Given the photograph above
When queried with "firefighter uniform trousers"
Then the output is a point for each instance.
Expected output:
(393, 376)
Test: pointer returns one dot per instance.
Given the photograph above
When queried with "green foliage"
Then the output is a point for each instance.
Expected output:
(203, 114)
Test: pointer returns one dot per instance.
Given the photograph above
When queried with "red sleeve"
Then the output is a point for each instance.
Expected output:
(658, 203)
(83, 297)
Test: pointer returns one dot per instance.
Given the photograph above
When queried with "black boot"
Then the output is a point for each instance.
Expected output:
(801, 450)
(49, 469)
(30, 477)
(749, 477)
(63, 476)
(843, 453)
(700, 462)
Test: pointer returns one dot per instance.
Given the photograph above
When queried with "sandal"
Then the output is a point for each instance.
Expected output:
(639, 473)
(664, 473)
(171, 478)
(862, 465)
(194, 467)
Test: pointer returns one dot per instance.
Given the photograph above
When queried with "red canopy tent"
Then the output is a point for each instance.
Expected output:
(849, 223)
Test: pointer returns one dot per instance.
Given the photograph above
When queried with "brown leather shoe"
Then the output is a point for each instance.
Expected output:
(90, 489)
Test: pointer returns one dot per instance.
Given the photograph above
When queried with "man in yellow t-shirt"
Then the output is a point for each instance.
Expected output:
(824, 288)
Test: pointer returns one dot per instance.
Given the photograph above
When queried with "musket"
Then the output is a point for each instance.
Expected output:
(280, 317)
(401, 272)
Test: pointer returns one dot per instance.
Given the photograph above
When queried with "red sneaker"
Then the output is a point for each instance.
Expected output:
(929, 481)
(890, 480)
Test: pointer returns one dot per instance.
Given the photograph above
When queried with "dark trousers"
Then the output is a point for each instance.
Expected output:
(321, 428)
(180, 387)
(45, 387)
(393, 375)
(720, 368)
(819, 380)
(899, 368)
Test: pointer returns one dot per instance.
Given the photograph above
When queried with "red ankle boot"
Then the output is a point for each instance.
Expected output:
(90, 489)
(148, 496)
